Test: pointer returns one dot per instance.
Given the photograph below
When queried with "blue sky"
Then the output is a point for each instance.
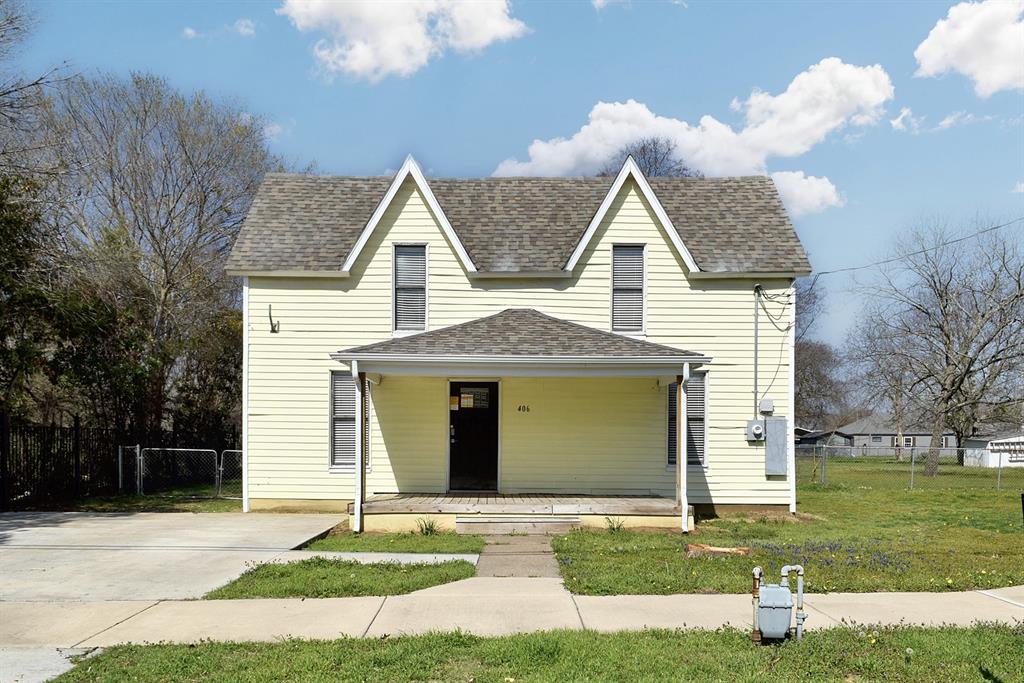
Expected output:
(465, 99)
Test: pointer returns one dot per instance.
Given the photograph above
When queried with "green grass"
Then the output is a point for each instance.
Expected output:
(400, 543)
(319, 577)
(185, 499)
(859, 535)
(951, 655)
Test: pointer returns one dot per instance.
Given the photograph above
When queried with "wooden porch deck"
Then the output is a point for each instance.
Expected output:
(518, 503)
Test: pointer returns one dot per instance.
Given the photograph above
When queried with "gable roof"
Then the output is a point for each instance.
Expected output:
(528, 226)
(520, 333)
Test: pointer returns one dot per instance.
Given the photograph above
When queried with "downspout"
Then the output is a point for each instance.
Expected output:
(245, 394)
(757, 320)
(683, 448)
(357, 499)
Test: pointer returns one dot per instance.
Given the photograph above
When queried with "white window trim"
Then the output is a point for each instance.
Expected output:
(695, 467)
(346, 469)
(642, 332)
(395, 332)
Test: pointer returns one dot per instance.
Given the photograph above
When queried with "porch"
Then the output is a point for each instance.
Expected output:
(490, 503)
(496, 513)
(532, 403)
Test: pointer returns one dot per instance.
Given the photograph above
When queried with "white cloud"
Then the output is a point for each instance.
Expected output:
(272, 131)
(828, 97)
(245, 27)
(803, 194)
(983, 41)
(372, 40)
(189, 33)
(601, 4)
(1018, 188)
(961, 118)
(906, 121)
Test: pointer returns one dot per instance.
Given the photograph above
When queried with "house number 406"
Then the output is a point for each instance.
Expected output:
(523, 408)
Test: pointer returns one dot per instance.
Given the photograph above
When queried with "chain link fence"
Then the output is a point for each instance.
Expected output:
(180, 472)
(910, 468)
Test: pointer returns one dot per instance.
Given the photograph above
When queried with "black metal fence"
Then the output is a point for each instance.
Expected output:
(48, 465)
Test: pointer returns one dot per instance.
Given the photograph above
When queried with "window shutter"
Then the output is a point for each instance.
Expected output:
(673, 430)
(628, 288)
(410, 287)
(696, 414)
(343, 421)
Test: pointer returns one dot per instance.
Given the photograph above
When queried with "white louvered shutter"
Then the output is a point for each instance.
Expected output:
(628, 288)
(696, 414)
(343, 421)
(410, 287)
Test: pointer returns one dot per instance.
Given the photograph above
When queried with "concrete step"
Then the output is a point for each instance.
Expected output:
(500, 525)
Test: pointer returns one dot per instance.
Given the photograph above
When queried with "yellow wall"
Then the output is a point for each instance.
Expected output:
(288, 371)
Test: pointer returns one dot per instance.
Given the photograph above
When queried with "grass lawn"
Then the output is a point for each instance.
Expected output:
(850, 536)
(325, 578)
(991, 653)
(400, 543)
(185, 499)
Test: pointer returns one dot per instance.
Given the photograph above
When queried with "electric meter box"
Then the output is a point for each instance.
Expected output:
(776, 445)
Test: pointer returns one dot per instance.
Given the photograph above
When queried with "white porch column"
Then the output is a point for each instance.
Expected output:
(681, 447)
(360, 468)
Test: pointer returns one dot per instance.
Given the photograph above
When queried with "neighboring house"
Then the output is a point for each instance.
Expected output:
(523, 346)
(998, 445)
(828, 437)
(879, 431)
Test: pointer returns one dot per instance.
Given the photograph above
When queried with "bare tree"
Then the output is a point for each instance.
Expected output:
(153, 189)
(951, 313)
(21, 97)
(656, 156)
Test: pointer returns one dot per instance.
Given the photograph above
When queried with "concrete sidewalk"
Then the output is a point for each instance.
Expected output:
(480, 605)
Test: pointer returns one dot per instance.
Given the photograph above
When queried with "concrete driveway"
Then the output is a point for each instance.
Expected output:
(81, 556)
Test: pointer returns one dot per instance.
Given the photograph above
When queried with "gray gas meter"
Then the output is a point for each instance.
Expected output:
(773, 606)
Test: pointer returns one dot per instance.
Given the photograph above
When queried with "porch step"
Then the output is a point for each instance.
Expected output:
(497, 525)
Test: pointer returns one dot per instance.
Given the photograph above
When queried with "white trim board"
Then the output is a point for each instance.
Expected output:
(630, 169)
(409, 168)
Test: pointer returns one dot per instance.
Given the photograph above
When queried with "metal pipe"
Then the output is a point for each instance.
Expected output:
(757, 317)
(800, 615)
(755, 592)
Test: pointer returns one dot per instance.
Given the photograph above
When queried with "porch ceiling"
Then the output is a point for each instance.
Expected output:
(520, 342)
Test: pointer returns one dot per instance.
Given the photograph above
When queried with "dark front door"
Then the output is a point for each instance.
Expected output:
(473, 436)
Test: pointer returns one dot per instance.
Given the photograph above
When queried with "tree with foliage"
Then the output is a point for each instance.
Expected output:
(23, 276)
(153, 188)
(656, 156)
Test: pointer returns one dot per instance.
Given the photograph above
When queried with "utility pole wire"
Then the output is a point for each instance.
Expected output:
(900, 257)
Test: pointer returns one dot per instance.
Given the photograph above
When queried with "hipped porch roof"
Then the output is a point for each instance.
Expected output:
(520, 341)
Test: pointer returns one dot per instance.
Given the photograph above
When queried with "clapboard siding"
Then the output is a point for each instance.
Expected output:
(289, 371)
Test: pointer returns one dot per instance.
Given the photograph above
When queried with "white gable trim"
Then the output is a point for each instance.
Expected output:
(629, 168)
(409, 168)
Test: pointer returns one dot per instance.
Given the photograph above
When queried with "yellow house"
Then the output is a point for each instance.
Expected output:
(518, 351)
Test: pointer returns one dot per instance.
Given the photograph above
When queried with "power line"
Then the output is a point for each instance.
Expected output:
(963, 238)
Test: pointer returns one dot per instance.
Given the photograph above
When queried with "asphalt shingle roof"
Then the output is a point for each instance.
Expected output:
(304, 222)
(520, 332)
(882, 424)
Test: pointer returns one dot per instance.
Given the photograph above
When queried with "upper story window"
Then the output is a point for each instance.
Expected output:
(628, 288)
(410, 287)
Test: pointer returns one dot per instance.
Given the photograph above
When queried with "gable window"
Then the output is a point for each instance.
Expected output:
(696, 418)
(410, 287)
(628, 288)
(343, 421)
